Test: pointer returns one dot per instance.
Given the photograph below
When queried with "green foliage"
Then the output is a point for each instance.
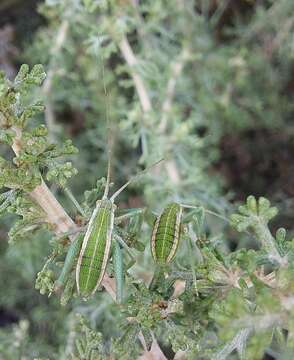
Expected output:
(253, 213)
(166, 79)
(32, 218)
(88, 343)
(14, 109)
(13, 346)
(256, 215)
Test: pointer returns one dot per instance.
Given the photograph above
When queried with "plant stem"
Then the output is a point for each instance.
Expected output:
(264, 235)
(47, 85)
(132, 61)
(176, 70)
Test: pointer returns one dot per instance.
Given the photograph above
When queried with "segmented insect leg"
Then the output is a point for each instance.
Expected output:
(69, 261)
(118, 270)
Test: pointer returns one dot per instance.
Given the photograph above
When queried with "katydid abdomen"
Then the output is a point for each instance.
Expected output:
(166, 233)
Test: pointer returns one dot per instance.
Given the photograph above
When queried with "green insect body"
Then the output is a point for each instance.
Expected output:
(95, 250)
(69, 261)
(166, 234)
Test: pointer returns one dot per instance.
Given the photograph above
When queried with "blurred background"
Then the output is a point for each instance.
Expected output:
(209, 85)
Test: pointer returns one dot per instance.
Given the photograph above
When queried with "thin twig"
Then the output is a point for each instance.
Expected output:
(47, 85)
(132, 61)
(155, 353)
(60, 39)
(176, 70)
(144, 98)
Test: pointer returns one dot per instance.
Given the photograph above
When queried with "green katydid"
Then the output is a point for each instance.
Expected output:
(75, 247)
(166, 231)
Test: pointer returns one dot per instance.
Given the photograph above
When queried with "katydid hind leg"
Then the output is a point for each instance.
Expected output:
(69, 262)
(119, 271)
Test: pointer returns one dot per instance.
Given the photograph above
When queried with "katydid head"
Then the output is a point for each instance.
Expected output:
(133, 178)
(107, 204)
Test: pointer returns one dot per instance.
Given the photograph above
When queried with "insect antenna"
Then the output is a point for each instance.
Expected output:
(109, 154)
(109, 137)
(133, 178)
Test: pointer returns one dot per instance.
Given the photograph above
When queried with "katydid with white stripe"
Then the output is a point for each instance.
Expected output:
(166, 234)
(167, 231)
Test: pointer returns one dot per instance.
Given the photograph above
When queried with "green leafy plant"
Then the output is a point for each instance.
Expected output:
(172, 82)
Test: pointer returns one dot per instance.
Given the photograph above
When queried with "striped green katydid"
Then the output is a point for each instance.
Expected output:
(167, 231)
(96, 245)
(74, 250)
